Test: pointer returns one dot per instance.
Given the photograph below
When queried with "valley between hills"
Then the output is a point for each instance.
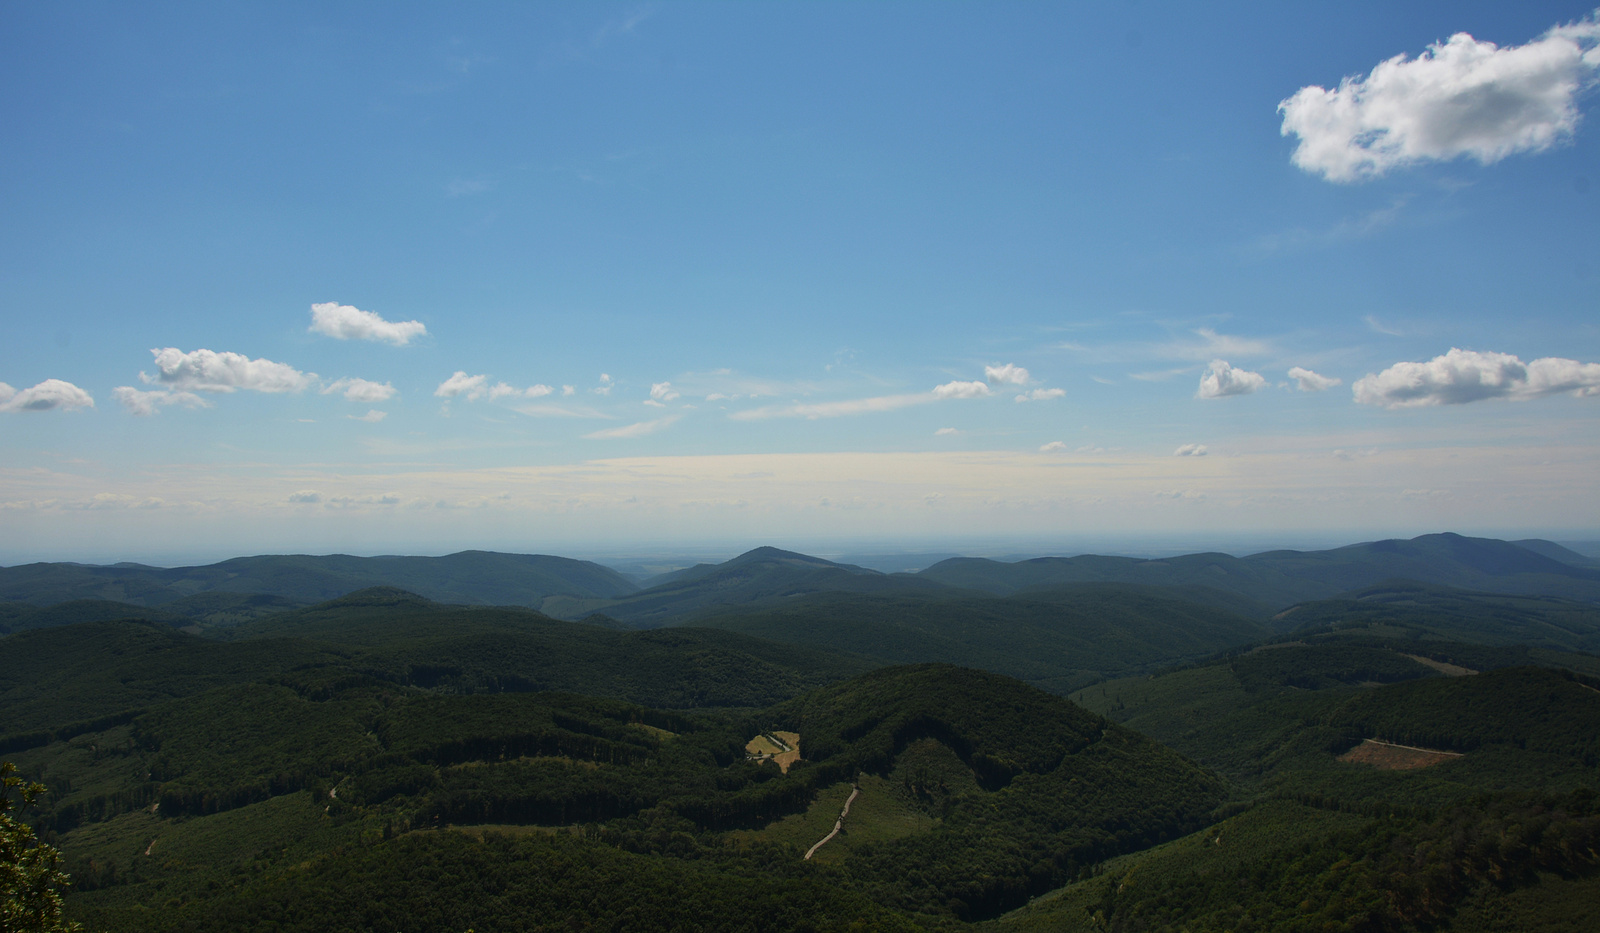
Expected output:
(1395, 735)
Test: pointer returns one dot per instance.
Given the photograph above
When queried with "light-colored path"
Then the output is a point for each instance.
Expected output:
(837, 824)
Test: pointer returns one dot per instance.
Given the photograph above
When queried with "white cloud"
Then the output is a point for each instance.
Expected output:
(638, 429)
(1221, 380)
(148, 403)
(1040, 395)
(1006, 375)
(208, 371)
(539, 390)
(605, 386)
(1462, 97)
(1462, 376)
(345, 322)
(1053, 447)
(945, 432)
(1309, 381)
(1190, 450)
(462, 384)
(961, 390)
(373, 416)
(569, 390)
(360, 390)
(662, 392)
(49, 395)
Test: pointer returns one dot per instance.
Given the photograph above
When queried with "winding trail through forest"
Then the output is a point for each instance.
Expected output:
(839, 823)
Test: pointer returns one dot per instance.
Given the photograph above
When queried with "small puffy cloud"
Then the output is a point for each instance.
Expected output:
(461, 384)
(1041, 395)
(638, 429)
(472, 388)
(961, 390)
(1006, 375)
(1462, 376)
(371, 417)
(1461, 97)
(1190, 450)
(1309, 381)
(360, 390)
(306, 497)
(1053, 447)
(569, 390)
(49, 395)
(141, 402)
(605, 386)
(345, 322)
(945, 432)
(1221, 380)
(662, 392)
(209, 371)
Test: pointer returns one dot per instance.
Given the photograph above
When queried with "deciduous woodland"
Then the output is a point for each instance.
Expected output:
(1401, 736)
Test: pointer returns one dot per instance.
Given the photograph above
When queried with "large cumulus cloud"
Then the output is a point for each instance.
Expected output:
(1462, 376)
(1461, 97)
(49, 395)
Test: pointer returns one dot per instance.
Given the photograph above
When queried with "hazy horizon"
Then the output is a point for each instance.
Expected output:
(592, 279)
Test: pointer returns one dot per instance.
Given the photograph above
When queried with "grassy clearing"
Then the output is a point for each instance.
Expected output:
(879, 814)
(1390, 757)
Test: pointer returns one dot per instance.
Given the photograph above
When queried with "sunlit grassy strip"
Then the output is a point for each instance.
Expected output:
(877, 815)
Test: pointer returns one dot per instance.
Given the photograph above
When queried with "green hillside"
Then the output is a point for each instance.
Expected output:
(469, 577)
(760, 577)
(1057, 639)
(1444, 613)
(1283, 578)
(218, 804)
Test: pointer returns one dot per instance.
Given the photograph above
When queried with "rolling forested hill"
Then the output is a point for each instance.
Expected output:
(469, 577)
(1405, 754)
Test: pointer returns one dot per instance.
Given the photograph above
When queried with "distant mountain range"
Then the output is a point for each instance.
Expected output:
(1257, 586)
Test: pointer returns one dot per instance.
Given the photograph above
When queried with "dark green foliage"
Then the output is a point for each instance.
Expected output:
(1533, 709)
(448, 881)
(1057, 639)
(1431, 612)
(1316, 667)
(1395, 873)
(759, 577)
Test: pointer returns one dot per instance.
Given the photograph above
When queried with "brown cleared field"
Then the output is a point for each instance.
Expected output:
(785, 751)
(1387, 756)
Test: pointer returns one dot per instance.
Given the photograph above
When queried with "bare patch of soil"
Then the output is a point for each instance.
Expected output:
(1388, 756)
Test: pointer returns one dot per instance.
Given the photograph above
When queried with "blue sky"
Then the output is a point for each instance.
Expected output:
(385, 278)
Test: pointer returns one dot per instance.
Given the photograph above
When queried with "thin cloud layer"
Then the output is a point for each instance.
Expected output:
(1462, 97)
(1308, 381)
(638, 429)
(1221, 380)
(361, 390)
(1042, 395)
(1463, 376)
(148, 402)
(49, 395)
(209, 371)
(344, 322)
